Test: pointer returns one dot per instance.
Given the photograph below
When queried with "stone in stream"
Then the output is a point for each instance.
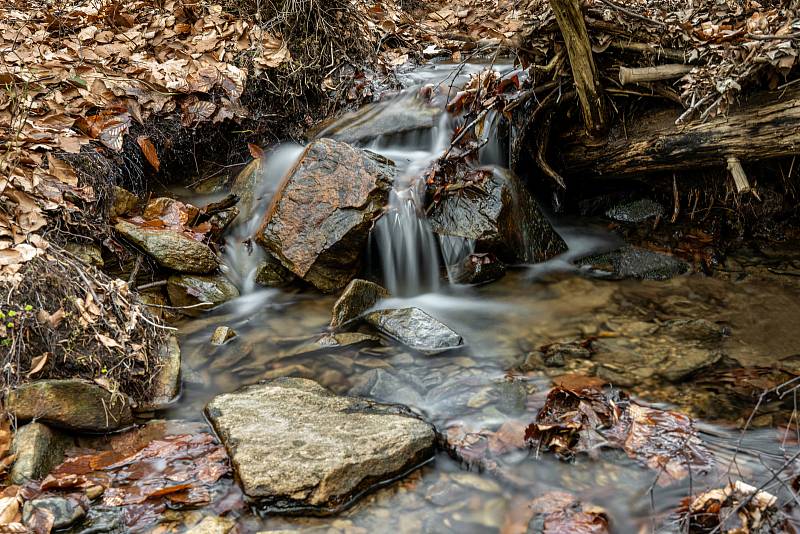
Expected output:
(357, 297)
(319, 220)
(390, 386)
(167, 382)
(636, 211)
(382, 118)
(415, 329)
(222, 334)
(186, 291)
(170, 249)
(271, 273)
(64, 510)
(504, 219)
(478, 269)
(38, 448)
(71, 404)
(294, 444)
(635, 262)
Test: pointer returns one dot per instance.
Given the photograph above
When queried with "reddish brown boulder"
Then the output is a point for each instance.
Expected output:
(319, 220)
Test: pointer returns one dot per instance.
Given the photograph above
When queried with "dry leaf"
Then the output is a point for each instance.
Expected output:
(38, 363)
(256, 151)
(149, 151)
(108, 342)
(61, 170)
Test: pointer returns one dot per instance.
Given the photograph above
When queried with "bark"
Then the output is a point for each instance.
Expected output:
(587, 79)
(767, 126)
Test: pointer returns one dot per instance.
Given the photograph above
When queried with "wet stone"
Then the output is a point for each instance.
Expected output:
(64, 510)
(478, 269)
(321, 449)
(505, 219)
(167, 382)
(124, 202)
(222, 334)
(390, 386)
(70, 404)
(38, 448)
(634, 262)
(270, 273)
(636, 211)
(187, 291)
(88, 253)
(319, 220)
(415, 329)
(170, 249)
(357, 297)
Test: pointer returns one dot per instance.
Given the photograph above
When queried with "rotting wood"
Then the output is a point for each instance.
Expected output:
(762, 128)
(584, 71)
(670, 71)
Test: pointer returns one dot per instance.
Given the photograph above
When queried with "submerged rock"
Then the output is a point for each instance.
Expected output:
(170, 249)
(415, 329)
(382, 118)
(357, 297)
(72, 404)
(64, 511)
(636, 211)
(190, 290)
(504, 219)
(320, 449)
(319, 220)
(390, 386)
(38, 448)
(478, 269)
(635, 262)
(270, 273)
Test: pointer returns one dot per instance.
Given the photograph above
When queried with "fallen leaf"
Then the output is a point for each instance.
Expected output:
(149, 151)
(38, 363)
(256, 151)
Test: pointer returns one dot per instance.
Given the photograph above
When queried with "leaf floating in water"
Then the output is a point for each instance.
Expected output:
(579, 416)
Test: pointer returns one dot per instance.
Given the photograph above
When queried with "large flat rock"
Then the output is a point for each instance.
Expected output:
(319, 220)
(296, 445)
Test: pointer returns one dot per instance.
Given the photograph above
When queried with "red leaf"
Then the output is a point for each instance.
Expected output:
(149, 151)
(256, 151)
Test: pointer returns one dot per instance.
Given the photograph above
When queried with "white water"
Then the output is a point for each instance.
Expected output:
(242, 255)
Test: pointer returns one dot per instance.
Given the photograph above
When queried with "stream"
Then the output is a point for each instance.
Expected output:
(500, 377)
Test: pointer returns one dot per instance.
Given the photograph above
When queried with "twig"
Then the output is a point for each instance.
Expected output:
(632, 13)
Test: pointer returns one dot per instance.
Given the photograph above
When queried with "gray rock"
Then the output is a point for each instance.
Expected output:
(294, 444)
(167, 382)
(190, 290)
(71, 404)
(415, 329)
(478, 269)
(212, 525)
(636, 211)
(170, 249)
(635, 262)
(245, 184)
(357, 297)
(65, 510)
(222, 334)
(271, 273)
(38, 449)
(319, 220)
(505, 219)
(382, 118)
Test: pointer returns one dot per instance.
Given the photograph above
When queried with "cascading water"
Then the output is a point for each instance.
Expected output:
(242, 257)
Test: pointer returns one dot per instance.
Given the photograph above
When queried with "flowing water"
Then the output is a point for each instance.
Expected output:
(497, 378)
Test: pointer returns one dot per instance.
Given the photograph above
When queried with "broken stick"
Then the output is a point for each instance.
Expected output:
(587, 80)
(652, 74)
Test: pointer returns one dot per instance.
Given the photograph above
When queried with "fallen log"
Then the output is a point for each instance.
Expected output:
(766, 126)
